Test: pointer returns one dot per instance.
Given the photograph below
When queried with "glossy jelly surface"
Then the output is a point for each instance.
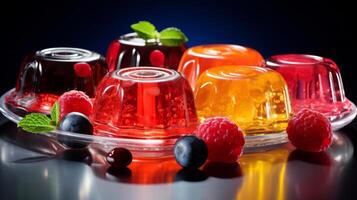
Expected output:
(314, 82)
(200, 58)
(144, 102)
(131, 51)
(255, 98)
(48, 73)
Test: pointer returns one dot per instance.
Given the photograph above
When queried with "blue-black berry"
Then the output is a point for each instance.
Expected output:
(78, 123)
(119, 157)
(190, 152)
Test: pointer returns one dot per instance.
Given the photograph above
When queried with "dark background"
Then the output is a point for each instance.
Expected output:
(272, 27)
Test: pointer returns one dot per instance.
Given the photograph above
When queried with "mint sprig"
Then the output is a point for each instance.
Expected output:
(145, 29)
(55, 112)
(40, 123)
(36, 123)
(168, 37)
(172, 37)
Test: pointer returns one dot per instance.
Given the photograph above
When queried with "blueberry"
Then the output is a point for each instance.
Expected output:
(190, 152)
(78, 123)
(119, 157)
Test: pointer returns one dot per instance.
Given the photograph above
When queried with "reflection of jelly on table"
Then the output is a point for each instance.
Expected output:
(144, 102)
(314, 82)
(255, 98)
(200, 58)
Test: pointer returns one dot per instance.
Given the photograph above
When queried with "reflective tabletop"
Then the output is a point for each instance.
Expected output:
(35, 167)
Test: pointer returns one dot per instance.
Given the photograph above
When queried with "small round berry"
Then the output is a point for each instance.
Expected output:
(157, 58)
(224, 139)
(82, 69)
(119, 157)
(190, 152)
(309, 130)
(75, 101)
(77, 123)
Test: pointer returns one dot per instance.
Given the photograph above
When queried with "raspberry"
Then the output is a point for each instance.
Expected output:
(309, 131)
(224, 139)
(75, 101)
(82, 70)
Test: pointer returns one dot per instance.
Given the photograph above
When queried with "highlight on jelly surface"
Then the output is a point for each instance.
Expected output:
(200, 58)
(255, 98)
(144, 102)
(132, 51)
(48, 73)
(314, 82)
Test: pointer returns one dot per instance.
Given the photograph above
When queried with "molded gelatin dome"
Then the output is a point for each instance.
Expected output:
(131, 51)
(255, 98)
(200, 58)
(48, 73)
(144, 102)
(314, 82)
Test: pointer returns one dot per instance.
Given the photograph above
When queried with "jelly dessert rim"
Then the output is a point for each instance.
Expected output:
(67, 54)
(126, 39)
(220, 74)
(193, 50)
(282, 59)
(145, 74)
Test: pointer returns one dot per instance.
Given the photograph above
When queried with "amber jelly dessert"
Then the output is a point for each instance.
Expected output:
(255, 98)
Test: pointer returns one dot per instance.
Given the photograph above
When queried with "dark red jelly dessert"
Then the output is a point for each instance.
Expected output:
(131, 51)
(48, 73)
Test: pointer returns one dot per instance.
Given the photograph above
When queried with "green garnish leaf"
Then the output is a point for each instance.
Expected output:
(55, 112)
(36, 123)
(172, 37)
(145, 30)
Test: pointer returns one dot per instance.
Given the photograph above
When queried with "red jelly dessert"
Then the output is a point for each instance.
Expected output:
(144, 102)
(48, 73)
(314, 82)
(131, 51)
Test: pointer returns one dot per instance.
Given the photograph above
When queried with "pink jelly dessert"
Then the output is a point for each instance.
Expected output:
(48, 73)
(131, 51)
(314, 82)
(144, 102)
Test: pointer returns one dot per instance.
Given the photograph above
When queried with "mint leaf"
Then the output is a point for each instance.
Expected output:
(55, 112)
(145, 30)
(36, 123)
(172, 37)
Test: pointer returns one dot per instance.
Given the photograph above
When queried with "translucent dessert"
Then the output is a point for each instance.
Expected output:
(48, 73)
(255, 98)
(200, 58)
(132, 51)
(144, 103)
(314, 82)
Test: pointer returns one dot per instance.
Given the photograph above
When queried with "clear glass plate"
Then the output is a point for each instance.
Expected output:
(155, 148)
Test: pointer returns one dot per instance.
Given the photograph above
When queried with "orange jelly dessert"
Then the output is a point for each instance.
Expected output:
(200, 58)
(255, 98)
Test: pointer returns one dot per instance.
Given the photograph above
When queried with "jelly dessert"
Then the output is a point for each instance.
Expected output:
(200, 58)
(255, 98)
(144, 102)
(314, 82)
(48, 73)
(131, 51)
